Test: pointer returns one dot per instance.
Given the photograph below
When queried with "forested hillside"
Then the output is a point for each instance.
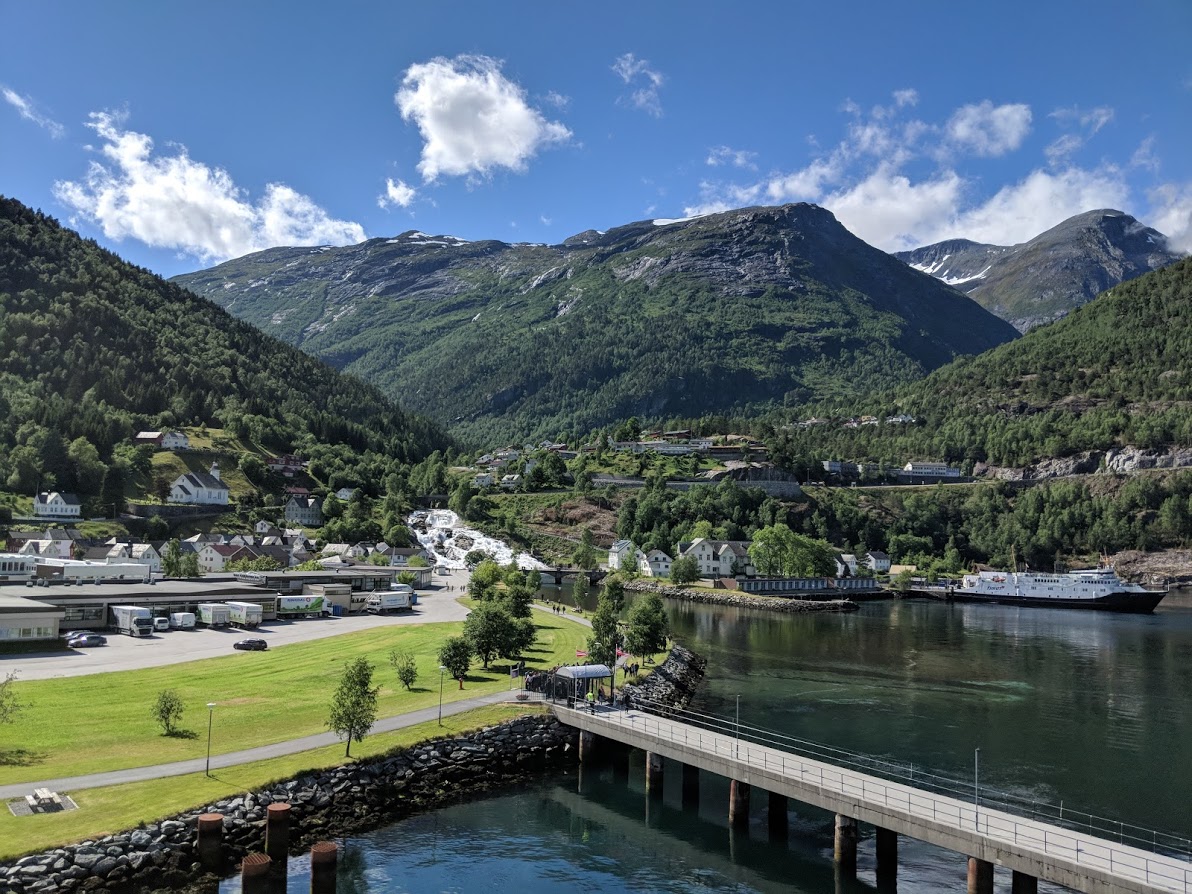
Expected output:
(744, 312)
(93, 349)
(1114, 372)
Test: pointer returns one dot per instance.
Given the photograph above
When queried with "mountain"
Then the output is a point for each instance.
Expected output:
(1112, 374)
(738, 311)
(1044, 279)
(94, 348)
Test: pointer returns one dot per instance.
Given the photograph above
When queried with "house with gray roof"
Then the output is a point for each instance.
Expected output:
(200, 488)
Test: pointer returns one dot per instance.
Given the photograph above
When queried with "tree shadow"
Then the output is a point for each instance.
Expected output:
(420, 689)
(21, 757)
(181, 734)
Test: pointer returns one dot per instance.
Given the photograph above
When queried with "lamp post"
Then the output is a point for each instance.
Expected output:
(210, 715)
(442, 670)
(738, 726)
(976, 787)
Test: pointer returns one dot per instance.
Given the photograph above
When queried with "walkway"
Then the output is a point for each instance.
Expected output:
(235, 758)
(1055, 852)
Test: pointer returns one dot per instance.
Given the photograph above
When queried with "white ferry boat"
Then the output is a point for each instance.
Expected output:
(1097, 588)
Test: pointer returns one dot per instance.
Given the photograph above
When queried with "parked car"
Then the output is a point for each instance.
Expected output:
(86, 641)
(251, 645)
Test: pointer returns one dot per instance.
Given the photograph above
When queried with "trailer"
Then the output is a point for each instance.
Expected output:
(245, 614)
(133, 620)
(306, 606)
(182, 620)
(214, 614)
(383, 602)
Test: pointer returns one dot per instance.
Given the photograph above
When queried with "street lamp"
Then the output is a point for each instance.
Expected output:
(976, 788)
(210, 715)
(442, 670)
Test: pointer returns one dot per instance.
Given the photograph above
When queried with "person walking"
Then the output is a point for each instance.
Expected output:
(591, 697)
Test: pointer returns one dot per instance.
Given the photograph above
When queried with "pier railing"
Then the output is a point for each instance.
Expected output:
(1058, 830)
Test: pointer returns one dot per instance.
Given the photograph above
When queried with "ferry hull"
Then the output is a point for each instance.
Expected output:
(1133, 603)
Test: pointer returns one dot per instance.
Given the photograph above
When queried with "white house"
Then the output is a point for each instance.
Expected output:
(931, 470)
(175, 440)
(57, 505)
(201, 488)
(620, 555)
(347, 494)
(214, 556)
(716, 558)
(849, 561)
(145, 554)
(510, 482)
(877, 561)
(266, 529)
(655, 563)
(484, 479)
(306, 511)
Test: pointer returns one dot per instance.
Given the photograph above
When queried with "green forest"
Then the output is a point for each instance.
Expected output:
(93, 349)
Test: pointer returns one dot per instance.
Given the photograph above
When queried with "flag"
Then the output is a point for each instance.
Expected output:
(580, 653)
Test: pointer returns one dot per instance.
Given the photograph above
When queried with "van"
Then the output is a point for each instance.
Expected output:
(161, 623)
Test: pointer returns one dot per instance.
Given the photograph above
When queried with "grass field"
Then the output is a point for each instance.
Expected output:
(103, 811)
(102, 722)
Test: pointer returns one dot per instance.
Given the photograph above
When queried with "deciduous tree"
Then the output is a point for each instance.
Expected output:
(354, 705)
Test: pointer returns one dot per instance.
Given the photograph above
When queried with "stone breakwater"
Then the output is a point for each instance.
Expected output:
(164, 856)
(740, 600)
(673, 682)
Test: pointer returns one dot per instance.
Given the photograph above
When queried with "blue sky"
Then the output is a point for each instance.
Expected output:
(180, 135)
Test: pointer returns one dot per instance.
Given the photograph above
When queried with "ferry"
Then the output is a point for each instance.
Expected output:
(1095, 588)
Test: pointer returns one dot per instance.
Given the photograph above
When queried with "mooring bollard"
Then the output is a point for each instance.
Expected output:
(254, 874)
(323, 857)
(210, 843)
(277, 832)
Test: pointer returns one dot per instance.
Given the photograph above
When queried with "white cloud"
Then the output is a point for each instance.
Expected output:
(738, 158)
(546, 221)
(558, 100)
(1171, 214)
(1091, 120)
(908, 97)
(887, 210)
(472, 118)
(397, 192)
(988, 130)
(1063, 148)
(27, 109)
(175, 202)
(637, 72)
(1144, 156)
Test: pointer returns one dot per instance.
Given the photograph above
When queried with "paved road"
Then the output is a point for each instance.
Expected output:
(133, 653)
(234, 758)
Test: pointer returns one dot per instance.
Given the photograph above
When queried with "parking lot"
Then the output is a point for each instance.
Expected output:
(176, 646)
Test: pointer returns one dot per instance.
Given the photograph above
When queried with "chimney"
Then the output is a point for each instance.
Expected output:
(215, 471)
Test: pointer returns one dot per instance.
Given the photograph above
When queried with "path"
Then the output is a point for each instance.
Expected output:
(235, 758)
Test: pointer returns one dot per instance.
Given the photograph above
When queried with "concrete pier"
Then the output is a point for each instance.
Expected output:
(776, 820)
(886, 851)
(690, 787)
(844, 845)
(619, 755)
(210, 841)
(653, 774)
(277, 832)
(254, 874)
(738, 805)
(587, 747)
(324, 855)
(1021, 883)
(980, 876)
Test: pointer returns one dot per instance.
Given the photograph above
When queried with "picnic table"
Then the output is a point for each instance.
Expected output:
(44, 796)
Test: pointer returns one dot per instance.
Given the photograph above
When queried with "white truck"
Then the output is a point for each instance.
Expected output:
(214, 614)
(307, 606)
(244, 614)
(396, 599)
(132, 619)
(182, 620)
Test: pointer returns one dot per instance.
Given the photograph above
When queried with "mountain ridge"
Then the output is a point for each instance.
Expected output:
(738, 311)
(1046, 277)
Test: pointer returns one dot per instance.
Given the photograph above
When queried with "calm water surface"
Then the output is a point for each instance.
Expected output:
(1091, 709)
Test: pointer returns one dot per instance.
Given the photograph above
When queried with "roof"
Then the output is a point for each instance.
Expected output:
(201, 479)
(149, 434)
(622, 545)
(584, 672)
(68, 499)
(877, 554)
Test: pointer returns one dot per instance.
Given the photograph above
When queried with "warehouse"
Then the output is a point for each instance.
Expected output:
(25, 620)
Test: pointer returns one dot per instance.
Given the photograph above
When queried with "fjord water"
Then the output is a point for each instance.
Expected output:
(1088, 708)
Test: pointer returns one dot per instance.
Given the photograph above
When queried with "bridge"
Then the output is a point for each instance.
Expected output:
(1035, 841)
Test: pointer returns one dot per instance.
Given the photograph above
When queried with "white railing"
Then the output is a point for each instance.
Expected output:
(727, 740)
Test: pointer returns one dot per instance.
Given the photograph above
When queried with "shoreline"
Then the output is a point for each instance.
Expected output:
(741, 600)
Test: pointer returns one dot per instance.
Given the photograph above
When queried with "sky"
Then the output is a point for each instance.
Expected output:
(182, 135)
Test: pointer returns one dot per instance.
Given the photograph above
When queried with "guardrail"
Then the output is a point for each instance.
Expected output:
(922, 795)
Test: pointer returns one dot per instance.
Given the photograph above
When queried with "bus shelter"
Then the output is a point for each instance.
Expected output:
(579, 679)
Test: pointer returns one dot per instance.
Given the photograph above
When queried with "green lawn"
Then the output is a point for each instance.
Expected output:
(103, 811)
(102, 722)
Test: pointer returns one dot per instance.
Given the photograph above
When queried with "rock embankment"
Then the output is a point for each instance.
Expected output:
(326, 804)
(673, 682)
(741, 600)
(1170, 566)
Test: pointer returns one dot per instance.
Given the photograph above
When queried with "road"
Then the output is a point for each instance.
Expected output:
(177, 646)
